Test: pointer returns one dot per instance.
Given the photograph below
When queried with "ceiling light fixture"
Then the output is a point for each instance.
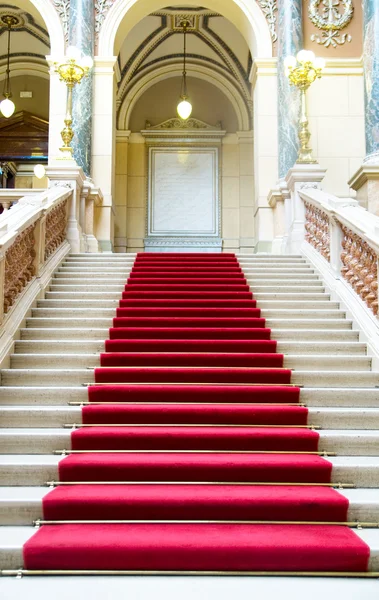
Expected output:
(184, 107)
(7, 107)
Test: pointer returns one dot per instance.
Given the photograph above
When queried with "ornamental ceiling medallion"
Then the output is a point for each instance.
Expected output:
(331, 18)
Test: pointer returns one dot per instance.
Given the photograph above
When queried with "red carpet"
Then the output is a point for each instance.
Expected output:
(193, 418)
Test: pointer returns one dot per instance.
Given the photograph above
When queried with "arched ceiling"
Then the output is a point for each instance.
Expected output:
(157, 41)
(29, 39)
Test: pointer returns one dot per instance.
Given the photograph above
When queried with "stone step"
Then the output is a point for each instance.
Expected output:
(82, 360)
(282, 284)
(297, 304)
(317, 397)
(83, 296)
(97, 346)
(292, 276)
(33, 333)
(99, 322)
(14, 537)
(280, 288)
(81, 302)
(291, 296)
(79, 289)
(75, 377)
(82, 279)
(35, 415)
(323, 335)
(360, 442)
(23, 505)
(97, 333)
(301, 313)
(37, 469)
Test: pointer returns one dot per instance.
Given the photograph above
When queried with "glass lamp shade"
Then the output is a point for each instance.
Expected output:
(7, 108)
(290, 62)
(86, 62)
(73, 53)
(319, 63)
(39, 171)
(184, 109)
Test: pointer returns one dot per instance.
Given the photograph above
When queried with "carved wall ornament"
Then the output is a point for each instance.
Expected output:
(360, 267)
(63, 9)
(101, 9)
(176, 123)
(56, 223)
(317, 230)
(331, 17)
(19, 266)
(270, 8)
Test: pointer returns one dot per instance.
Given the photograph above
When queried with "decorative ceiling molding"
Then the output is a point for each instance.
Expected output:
(26, 24)
(220, 79)
(63, 9)
(270, 8)
(138, 65)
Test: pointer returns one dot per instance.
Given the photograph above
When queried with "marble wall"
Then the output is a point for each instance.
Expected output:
(237, 192)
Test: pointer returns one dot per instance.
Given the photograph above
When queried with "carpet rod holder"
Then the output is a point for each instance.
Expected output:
(338, 486)
(65, 452)
(231, 425)
(19, 573)
(352, 524)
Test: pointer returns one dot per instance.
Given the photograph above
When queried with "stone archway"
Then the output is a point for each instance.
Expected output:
(246, 15)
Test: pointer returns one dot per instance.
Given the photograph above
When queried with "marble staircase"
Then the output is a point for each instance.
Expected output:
(65, 332)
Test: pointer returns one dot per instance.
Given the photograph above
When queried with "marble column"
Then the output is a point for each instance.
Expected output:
(371, 78)
(81, 35)
(290, 41)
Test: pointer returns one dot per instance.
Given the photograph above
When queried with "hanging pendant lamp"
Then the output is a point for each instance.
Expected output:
(184, 107)
(7, 107)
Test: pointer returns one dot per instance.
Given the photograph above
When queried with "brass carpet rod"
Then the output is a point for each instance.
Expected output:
(339, 486)
(19, 573)
(351, 524)
(65, 452)
(231, 425)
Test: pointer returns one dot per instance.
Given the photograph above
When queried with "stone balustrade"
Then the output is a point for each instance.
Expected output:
(347, 237)
(30, 234)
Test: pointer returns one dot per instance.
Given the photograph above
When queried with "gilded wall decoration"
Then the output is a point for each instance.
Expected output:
(331, 16)
(63, 9)
(270, 8)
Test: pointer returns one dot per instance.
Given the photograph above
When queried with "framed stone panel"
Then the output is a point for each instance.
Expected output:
(183, 192)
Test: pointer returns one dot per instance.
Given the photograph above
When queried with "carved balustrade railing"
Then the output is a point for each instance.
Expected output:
(347, 236)
(317, 230)
(360, 268)
(29, 235)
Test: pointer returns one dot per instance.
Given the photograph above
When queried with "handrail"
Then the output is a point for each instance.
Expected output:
(347, 236)
(29, 235)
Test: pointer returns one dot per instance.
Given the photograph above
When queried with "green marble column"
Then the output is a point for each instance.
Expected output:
(371, 77)
(290, 41)
(81, 35)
